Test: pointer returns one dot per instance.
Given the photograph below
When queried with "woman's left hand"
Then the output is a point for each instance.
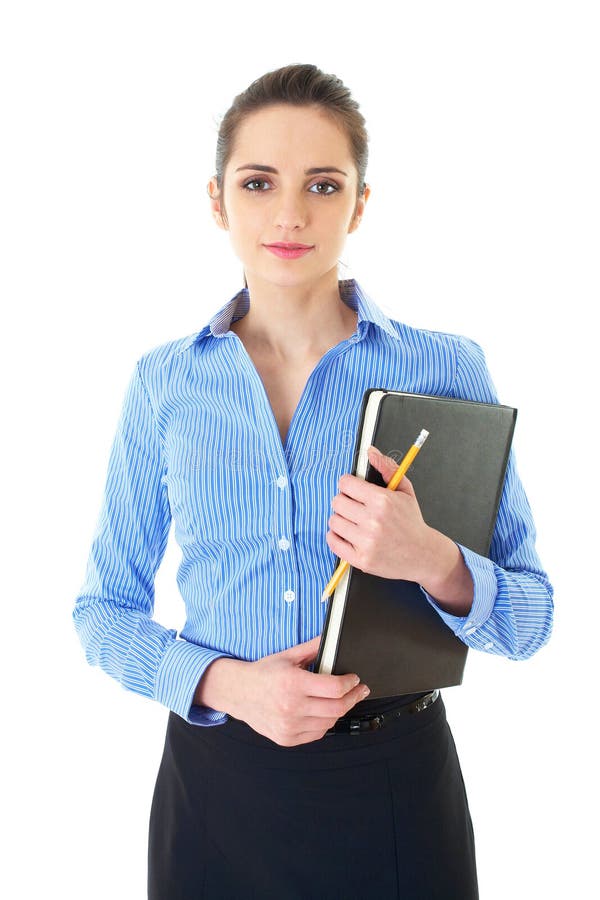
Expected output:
(383, 533)
(379, 531)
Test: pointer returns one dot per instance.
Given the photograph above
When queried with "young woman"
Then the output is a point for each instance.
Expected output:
(243, 435)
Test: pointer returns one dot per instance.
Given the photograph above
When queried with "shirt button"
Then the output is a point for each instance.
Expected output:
(284, 543)
(488, 646)
(282, 481)
(289, 596)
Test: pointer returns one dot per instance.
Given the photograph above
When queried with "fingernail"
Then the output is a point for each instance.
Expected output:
(366, 691)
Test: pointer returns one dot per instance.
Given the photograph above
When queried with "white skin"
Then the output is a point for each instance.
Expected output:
(295, 315)
(295, 307)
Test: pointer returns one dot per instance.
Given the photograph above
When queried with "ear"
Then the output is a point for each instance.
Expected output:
(215, 202)
(359, 210)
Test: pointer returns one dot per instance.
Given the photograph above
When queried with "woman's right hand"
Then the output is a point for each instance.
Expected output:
(278, 697)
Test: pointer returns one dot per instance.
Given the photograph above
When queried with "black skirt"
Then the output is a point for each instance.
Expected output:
(351, 816)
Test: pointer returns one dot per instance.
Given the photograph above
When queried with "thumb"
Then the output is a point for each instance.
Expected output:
(385, 465)
(304, 652)
(406, 487)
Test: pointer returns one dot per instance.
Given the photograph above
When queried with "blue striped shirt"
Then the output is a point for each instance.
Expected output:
(197, 443)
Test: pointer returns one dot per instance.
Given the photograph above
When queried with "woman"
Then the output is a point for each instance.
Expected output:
(243, 434)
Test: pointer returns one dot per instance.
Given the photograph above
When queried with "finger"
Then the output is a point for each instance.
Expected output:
(334, 708)
(303, 652)
(305, 737)
(343, 527)
(346, 508)
(330, 710)
(384, 464)
(357, 488)
(311, 728)
(316, 684)
(341, 547)
(406, 487)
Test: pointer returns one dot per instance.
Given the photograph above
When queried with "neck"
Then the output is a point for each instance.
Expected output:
(294, 322)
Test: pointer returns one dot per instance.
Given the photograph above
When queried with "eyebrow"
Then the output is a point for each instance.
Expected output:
(314, 171)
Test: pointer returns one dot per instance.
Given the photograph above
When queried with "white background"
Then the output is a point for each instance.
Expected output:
(483, 220)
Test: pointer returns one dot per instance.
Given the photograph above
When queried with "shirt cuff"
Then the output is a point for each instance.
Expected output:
(204, 715)
(485, 588)
(181, 668)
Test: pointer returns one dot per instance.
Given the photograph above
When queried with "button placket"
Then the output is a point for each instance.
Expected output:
(283, 528)
(283, 519)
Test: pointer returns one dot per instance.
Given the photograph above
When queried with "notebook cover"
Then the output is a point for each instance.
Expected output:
(390, 634)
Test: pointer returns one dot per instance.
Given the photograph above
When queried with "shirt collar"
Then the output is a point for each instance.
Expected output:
(350, 291)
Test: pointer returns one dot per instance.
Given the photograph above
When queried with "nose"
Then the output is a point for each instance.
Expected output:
(291, 211)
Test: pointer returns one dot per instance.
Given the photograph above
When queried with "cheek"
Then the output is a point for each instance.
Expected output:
(245, 217)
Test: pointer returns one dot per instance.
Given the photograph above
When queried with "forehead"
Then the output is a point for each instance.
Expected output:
(283, 133)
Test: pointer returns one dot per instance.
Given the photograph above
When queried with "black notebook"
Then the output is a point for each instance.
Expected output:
(385, 629)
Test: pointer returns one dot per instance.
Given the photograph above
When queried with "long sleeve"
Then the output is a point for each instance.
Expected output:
(113, 611)
(512, 608)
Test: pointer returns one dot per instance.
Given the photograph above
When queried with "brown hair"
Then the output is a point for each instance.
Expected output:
(299, 85)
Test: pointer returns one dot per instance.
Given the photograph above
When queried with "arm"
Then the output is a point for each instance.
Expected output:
(113, 611)
(512, 609)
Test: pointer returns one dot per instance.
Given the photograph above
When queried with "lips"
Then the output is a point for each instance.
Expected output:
(290, 246)
(293, 251)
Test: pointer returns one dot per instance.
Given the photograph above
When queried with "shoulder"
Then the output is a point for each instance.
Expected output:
(161, 363)
(463, 349)
(160, 354)
(425, 336)
(459, 355)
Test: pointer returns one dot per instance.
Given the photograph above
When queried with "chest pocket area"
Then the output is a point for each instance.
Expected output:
(220, 482)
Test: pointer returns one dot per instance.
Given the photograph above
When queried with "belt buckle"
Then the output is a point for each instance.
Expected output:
(426, 701)
(372, 723)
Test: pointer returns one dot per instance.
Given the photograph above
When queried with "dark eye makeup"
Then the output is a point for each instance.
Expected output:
(264, 181)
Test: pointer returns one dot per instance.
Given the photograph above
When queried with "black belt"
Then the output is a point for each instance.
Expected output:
(373, 721)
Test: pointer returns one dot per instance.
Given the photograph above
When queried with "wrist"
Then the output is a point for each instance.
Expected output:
(218, 686)
(448, 580)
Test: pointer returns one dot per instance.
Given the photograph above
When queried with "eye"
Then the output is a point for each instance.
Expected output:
(327, 184)
(252, 181)
(247, 184)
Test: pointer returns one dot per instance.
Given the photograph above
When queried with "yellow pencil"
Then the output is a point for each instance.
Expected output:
(391, 486)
